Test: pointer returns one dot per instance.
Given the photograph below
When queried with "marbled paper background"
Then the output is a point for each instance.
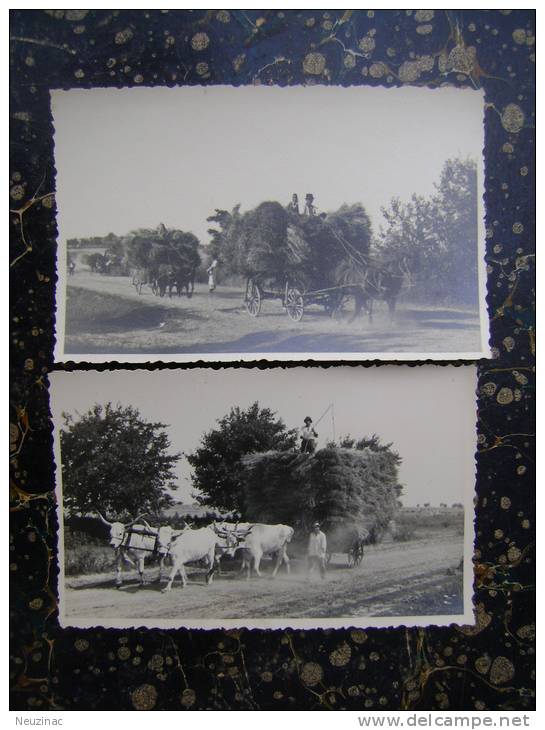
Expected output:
(488, 666)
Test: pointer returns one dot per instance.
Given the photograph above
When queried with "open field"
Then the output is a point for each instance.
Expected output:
(105, 315)
(420, 577)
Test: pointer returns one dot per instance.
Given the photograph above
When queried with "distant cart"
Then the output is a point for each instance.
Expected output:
(352, 545)
(294, 297)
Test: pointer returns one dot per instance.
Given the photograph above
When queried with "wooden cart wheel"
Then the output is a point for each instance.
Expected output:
(253, 299)
(295, 304)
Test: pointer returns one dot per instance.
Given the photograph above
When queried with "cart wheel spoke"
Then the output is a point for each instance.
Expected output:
(295, 304)
(252, 299)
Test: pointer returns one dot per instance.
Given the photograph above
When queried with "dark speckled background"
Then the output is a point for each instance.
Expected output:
(488, 666)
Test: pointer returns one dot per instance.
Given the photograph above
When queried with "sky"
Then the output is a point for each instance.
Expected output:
(428, 412)
(130, 158)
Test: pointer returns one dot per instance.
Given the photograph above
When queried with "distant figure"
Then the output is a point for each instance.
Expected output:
(211, 271)
(310, 208)
(293, 205)
(161, 230)
(71, 266)
(317, 550)
(308, 437)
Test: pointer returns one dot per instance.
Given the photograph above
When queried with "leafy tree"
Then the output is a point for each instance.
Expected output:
(218, 470)
(437, 236)
(116, 462)
(458, 227)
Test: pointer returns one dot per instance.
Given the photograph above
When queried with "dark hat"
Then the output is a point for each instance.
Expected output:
(308, 419)
(309, 195)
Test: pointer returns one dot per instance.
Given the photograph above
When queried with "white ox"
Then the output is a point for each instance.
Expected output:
(193, 545)
(132, 544)
(263, 540)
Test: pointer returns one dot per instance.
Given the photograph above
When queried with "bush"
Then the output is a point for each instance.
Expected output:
(84, 559)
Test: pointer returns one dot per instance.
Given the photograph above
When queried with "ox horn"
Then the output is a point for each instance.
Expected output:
(218, 531)
(129, 524)
(147, 524)
(103, 519)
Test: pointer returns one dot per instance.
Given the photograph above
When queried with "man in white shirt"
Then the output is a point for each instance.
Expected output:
(308, 437)
(317, 550)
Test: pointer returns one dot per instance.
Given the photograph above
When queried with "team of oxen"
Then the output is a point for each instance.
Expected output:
(137, 540)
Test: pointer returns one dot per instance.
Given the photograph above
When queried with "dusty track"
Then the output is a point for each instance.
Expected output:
(106, 315)
(399, 579)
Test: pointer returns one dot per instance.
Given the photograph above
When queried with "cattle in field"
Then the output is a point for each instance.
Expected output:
(132, 544)
(184, 281)
(266, 540)
(165, 279)
(201, 544)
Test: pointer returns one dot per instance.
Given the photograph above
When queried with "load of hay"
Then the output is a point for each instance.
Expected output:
(150, 248)
(271, 241)
(351, 492)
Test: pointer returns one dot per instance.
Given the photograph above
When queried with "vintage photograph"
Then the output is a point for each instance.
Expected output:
(266, 498)
(223, 223)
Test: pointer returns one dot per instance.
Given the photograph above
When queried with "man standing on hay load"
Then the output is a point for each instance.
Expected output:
(317, 550)
(310, 208)
(308, 437)
(293, 205)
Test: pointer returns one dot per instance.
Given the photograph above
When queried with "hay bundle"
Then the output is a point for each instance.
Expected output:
(274, 242)
(349, 491)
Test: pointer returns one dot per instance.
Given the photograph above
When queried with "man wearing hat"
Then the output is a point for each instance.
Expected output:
(317, 550)
(308, 437)
(310, 208)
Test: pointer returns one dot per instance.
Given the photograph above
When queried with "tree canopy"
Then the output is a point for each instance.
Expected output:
(218, 471)
(115, 461)
(438, 235)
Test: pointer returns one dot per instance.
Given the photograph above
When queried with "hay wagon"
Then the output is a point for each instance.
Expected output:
(294, 297)
(352, 545)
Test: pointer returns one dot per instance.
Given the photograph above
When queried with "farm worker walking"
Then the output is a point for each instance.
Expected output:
(293, 205)
(310, 208)
(211, 271)
(308, 437)
(317, 550)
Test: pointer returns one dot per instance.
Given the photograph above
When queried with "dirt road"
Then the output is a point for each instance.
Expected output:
(104, 314)
(395, 579)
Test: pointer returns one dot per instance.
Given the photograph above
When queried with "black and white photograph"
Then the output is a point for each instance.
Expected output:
(224, 223)
(293, 497)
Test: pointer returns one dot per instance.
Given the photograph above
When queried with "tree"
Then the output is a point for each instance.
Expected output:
(218, 471)
(437, 236)
(458, 227)
(116, 462)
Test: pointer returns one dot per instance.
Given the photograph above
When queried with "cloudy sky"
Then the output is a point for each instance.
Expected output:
(135, 157)
(428, 412)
